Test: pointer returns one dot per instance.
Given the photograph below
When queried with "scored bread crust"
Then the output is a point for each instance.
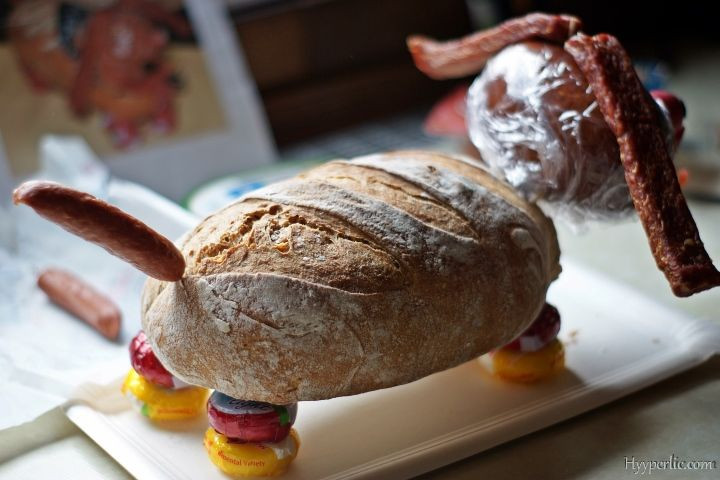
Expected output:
(354, 276)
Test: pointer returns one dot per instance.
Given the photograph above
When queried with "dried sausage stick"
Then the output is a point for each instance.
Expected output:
(650, 174)
(466, 56)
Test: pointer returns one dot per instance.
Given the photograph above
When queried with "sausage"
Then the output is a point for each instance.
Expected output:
(82, 300)
(466, 56)
(105, 225)
(650, 174)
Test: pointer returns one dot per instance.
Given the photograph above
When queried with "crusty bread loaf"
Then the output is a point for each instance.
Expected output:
(353, 276)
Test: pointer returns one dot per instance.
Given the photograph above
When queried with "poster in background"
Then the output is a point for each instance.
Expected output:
(158, 88)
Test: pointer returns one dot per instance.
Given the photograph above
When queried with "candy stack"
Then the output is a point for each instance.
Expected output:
(157, 393)
(250, 439)
(536, 354)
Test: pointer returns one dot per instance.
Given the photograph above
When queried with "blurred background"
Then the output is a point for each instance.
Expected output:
(324, 65)
(323, 78)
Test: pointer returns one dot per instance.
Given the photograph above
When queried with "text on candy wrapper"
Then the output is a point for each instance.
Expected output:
(242, 462)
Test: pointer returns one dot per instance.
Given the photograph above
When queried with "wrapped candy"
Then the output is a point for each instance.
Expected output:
(249, 421)
(535, 355)
(250, 438)
(529, 367)
(155, 392)
(542, 331)
(160, 403)
(251, 459)
(145, 363)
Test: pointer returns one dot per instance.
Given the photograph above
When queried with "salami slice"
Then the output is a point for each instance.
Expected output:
(635, 120)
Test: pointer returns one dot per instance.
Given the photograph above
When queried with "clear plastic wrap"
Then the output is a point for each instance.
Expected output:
(534, 119)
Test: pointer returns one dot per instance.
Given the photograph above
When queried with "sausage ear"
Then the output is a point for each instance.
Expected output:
(468, 55)
(635, 119)
(99, 222)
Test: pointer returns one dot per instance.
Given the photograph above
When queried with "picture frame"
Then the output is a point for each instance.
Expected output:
(215, 126)
(247, 141)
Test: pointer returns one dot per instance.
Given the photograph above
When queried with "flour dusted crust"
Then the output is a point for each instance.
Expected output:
(354, 276)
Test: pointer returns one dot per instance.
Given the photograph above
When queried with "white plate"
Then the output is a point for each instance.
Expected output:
(617, 342)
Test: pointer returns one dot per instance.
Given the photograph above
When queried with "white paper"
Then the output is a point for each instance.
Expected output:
(47, 355)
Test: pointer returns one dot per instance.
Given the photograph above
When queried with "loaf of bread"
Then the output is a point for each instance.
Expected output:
(354, 276)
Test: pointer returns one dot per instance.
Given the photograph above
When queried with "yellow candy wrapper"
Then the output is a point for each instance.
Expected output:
(159, 403)
(528, 367)
(251, 459)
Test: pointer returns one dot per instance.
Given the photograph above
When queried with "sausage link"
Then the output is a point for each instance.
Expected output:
(82, 300)
(467, 56)
(105, 225)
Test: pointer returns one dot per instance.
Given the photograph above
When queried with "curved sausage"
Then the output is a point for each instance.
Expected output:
(466, 56)
(98, 222)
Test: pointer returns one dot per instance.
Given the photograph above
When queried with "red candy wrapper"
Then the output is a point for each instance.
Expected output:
(542, 331)
(248, 421)
(146, 364)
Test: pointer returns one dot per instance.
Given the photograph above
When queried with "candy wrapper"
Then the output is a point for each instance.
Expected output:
(161, 404)
(249, 421)
(239, 460)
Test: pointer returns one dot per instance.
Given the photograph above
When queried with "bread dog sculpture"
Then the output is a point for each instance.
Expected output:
(387, 268)
(355, 276)
(373, 272)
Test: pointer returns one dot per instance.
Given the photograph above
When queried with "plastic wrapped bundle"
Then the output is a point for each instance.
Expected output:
(534, 119)
(536, 122)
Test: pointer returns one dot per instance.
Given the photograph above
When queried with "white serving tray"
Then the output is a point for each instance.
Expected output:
(617, 342)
